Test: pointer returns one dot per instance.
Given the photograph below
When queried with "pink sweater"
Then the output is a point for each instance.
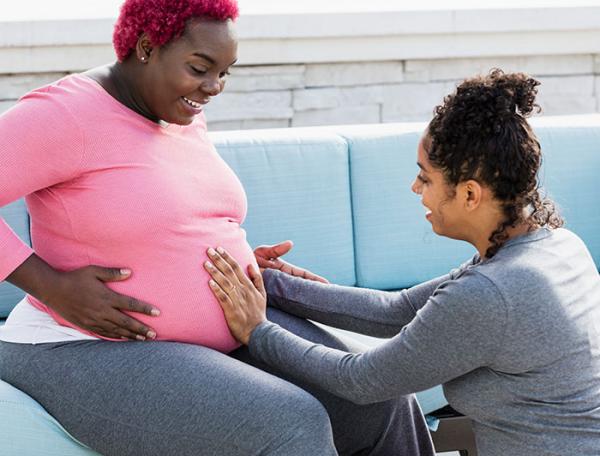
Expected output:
(106, 186)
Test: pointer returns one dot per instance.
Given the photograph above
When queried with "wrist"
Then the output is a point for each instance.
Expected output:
(248, 336)
(267, 276)
(37, 278)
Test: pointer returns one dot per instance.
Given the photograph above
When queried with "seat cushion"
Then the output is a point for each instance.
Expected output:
(28, 430)
(298, 188)
(15, 214)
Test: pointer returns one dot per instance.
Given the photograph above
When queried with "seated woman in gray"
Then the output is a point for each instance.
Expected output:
(513, 334)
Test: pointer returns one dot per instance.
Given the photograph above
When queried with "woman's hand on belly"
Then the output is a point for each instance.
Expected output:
(243, 298)
(267, 257)
(81, 297)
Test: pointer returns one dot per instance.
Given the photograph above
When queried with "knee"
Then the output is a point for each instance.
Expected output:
(395, 413)
(312, 417)
(401, 406)
(308, 428)
(408, 404)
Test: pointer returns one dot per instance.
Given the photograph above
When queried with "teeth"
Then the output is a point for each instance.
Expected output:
(193, 104)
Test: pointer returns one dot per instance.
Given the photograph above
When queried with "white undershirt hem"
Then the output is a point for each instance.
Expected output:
(27, 324)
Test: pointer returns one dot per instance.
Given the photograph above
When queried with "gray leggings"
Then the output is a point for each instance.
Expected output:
(167, 398)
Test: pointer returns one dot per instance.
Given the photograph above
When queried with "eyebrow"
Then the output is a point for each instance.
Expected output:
(204, 56)
(210, 59)
(422, 167)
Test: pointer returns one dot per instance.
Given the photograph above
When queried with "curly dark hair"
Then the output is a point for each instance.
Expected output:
(481, 132)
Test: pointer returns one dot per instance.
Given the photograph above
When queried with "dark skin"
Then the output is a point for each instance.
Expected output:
(153, 79)
(153, 82)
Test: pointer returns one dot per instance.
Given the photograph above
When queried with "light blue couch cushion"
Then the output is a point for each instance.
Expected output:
(28, 430)
(15, 214)
(571, 176)
(298, 188)
(394, 244)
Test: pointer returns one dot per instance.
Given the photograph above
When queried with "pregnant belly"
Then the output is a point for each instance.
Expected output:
(189, 310)
(177, 284)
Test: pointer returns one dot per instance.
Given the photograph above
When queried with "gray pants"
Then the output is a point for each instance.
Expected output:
(167, 398)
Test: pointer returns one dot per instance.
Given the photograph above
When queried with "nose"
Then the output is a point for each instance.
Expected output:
(416, 186)
(212, 86)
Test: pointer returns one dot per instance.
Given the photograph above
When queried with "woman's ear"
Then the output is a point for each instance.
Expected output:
(472, 194)
(143, 48)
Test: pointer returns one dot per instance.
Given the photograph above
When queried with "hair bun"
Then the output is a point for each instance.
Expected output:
(516, 92)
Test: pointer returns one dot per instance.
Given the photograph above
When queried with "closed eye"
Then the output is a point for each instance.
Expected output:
(422, 179)
(197, 70)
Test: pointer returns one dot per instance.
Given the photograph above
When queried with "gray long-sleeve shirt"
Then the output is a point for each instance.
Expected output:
(515, 340)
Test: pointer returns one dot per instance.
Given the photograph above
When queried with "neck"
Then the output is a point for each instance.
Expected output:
(124, 78)
(482, 243)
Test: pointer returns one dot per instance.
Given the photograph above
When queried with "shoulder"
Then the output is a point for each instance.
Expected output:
(43, 122)
(472, 295)
(470, 307)
(563, 235)
(57, 102)
(470, 284)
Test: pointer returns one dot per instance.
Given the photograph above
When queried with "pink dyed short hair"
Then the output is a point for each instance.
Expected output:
(163, 20)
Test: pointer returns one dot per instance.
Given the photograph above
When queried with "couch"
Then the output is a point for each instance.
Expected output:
(342, 194)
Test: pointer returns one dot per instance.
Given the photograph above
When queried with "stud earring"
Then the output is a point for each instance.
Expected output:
(143, 59)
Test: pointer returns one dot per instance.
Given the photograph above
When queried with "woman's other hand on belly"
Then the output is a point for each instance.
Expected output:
(243, 298)
(268, 257)
(82, 298)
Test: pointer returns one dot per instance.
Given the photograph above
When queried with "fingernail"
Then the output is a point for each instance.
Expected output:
(221, 250)
(140, 337)
(125, 271)
(151, 334)
(155, 312)
(208, 264)
(211, 252)
(212, 283)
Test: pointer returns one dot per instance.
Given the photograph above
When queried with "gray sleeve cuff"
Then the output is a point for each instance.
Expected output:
(257, 337)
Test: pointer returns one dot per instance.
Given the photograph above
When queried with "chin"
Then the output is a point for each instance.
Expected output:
(437, 231)
(185, 121)
(178, 120)
(175, 116)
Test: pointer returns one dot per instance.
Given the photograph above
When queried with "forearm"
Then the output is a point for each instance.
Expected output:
(372, 312)
(457, 331)
(36, 277)
(373, 376)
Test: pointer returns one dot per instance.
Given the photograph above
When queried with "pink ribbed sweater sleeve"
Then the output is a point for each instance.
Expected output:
(37, 151)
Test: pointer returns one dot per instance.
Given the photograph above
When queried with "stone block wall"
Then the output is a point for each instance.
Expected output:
(275, 96)
(374, 92)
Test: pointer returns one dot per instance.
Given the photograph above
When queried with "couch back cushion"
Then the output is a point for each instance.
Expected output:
(297, 183)
(395, 246)
(571, 176)
(15, 214)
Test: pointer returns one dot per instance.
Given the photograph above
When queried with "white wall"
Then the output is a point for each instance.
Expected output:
(335, 68)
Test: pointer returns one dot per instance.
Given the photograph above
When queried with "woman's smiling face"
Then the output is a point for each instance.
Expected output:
(183, 75)
(443, 209)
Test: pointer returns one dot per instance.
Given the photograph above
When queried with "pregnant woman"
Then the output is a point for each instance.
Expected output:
(119, 336)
